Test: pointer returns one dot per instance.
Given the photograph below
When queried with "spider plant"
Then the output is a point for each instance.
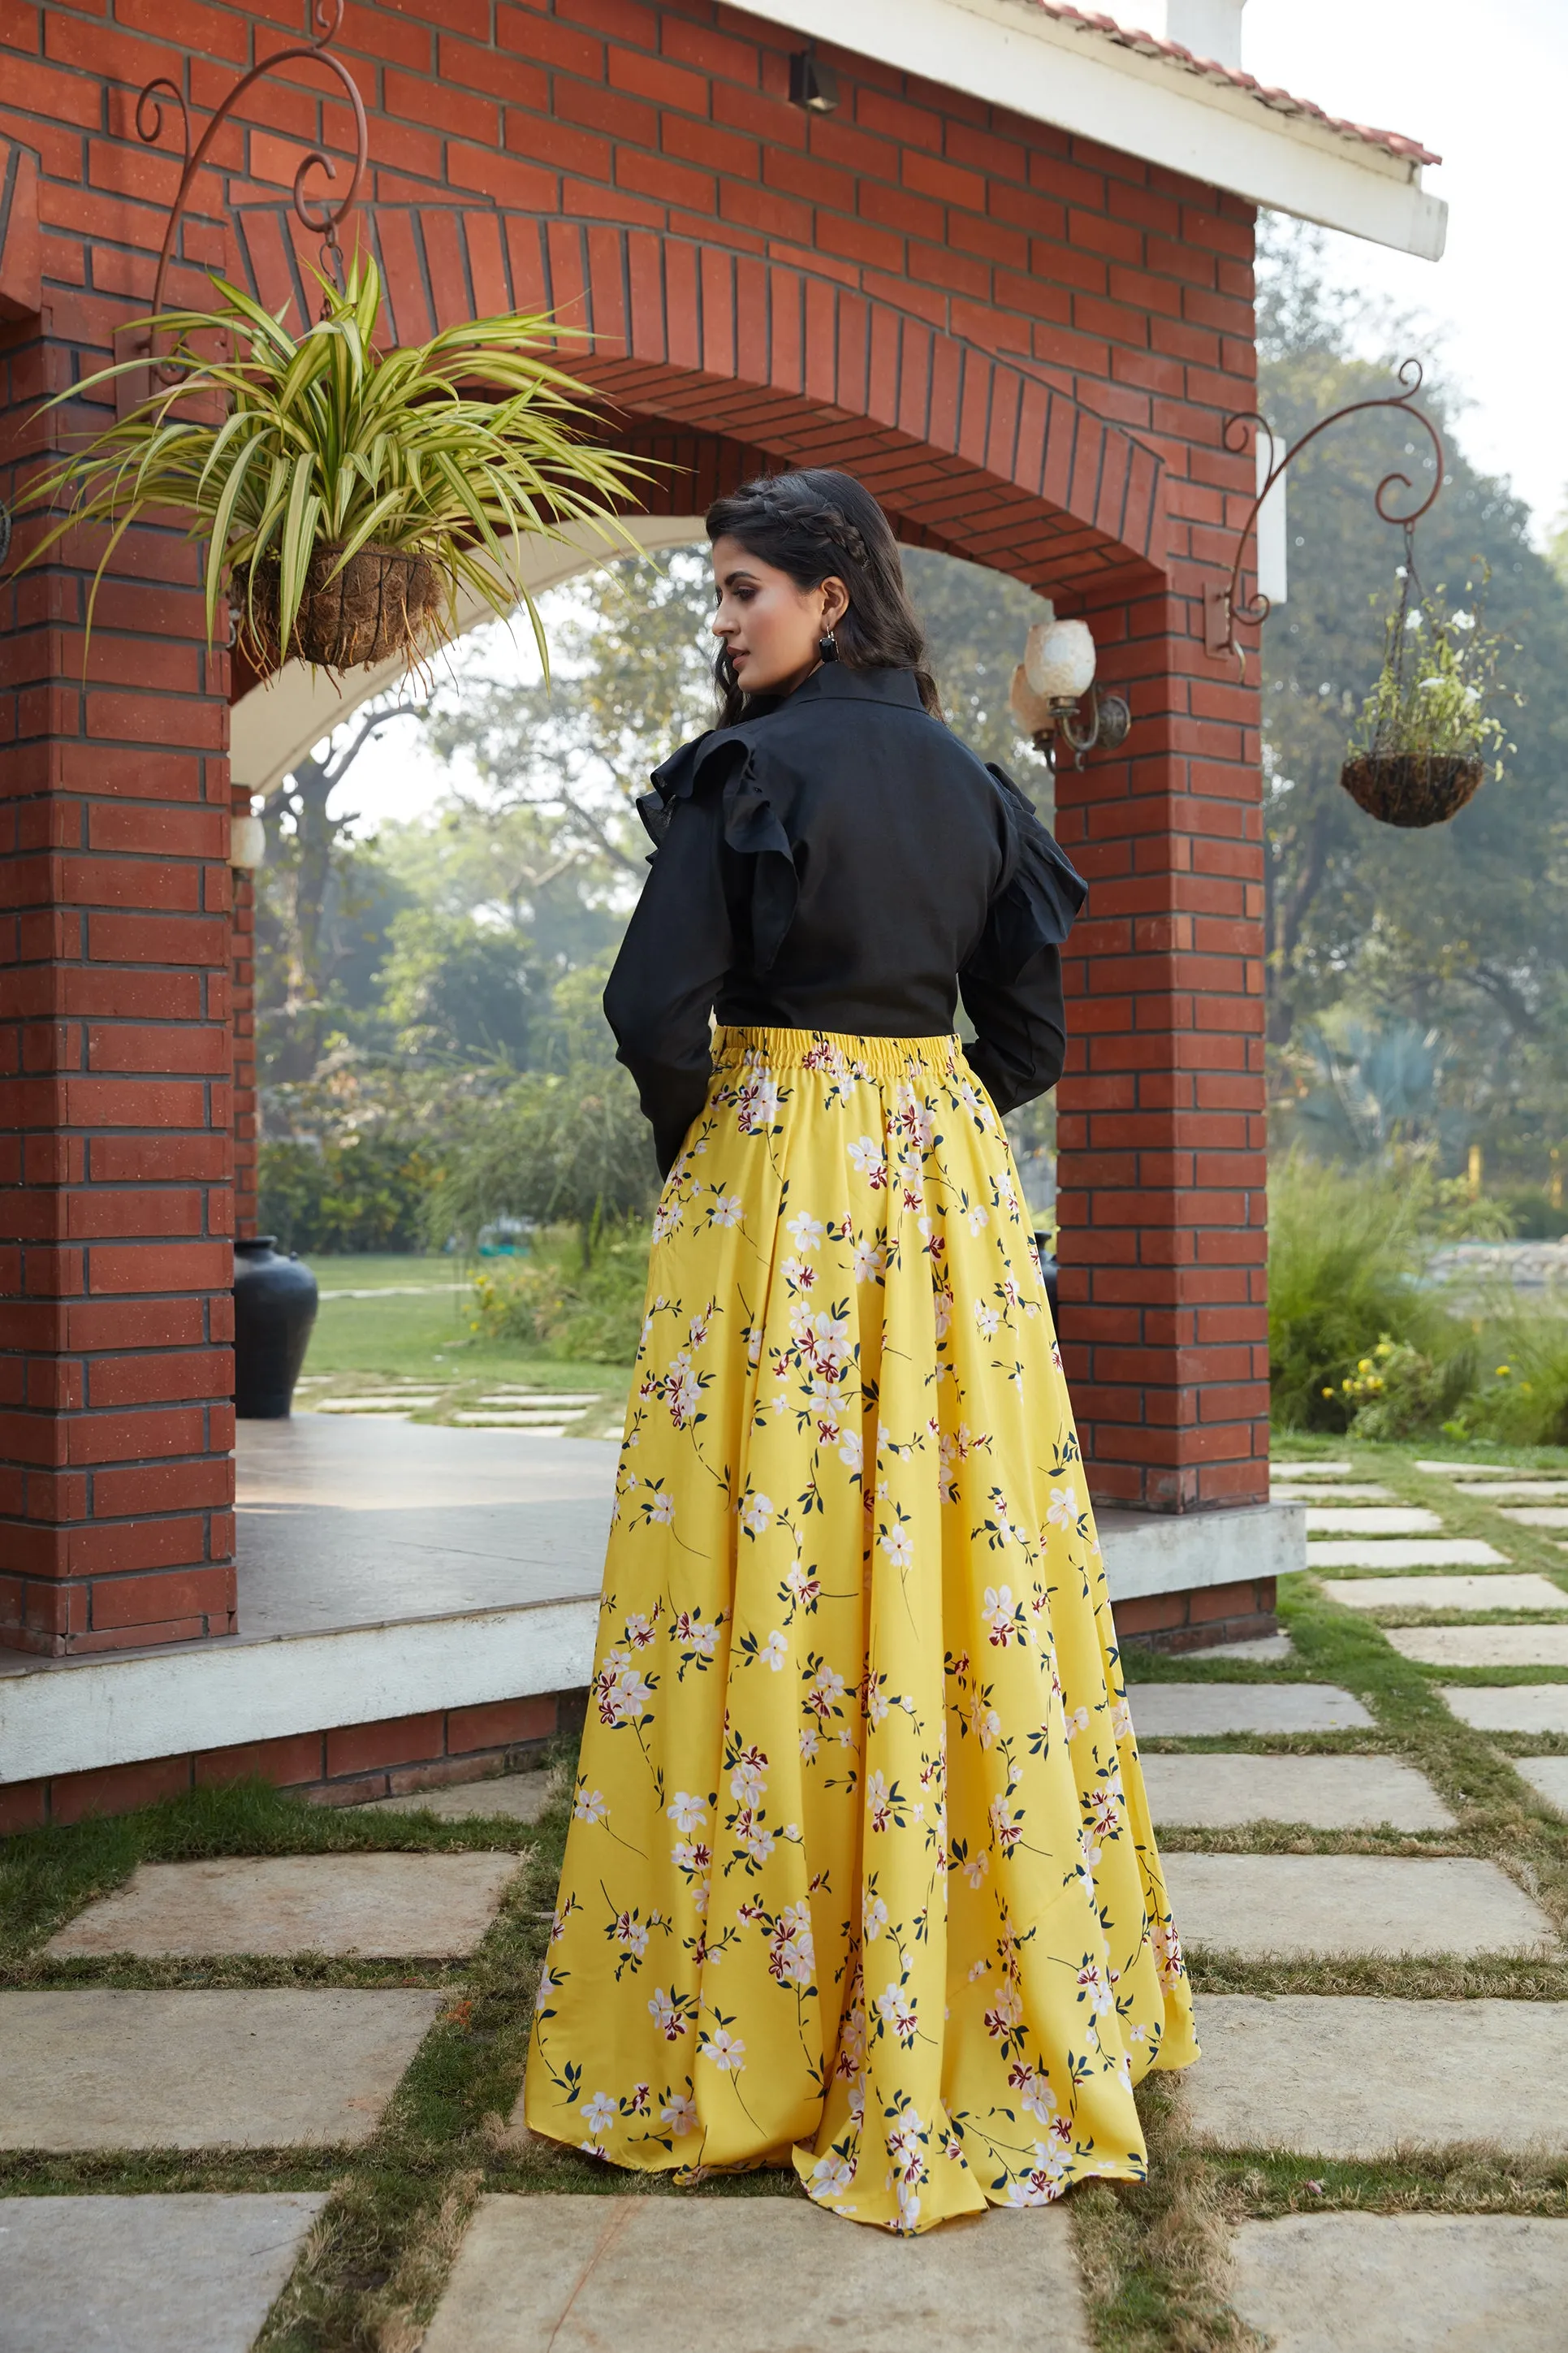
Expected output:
(321, 445)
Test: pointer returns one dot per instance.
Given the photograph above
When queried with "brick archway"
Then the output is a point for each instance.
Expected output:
(1023, 341)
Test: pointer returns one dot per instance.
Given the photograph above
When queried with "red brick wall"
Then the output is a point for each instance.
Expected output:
(1027, 344)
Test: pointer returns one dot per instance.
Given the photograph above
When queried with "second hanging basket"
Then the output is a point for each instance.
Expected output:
(1411, 788)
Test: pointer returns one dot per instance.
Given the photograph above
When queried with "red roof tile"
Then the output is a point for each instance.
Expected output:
(1393, 143)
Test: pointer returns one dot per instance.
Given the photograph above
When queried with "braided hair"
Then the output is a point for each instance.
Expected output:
(813, 525)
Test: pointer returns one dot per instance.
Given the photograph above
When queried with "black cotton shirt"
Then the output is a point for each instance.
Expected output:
(839, 860)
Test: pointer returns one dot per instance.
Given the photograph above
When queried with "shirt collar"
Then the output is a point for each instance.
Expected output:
(836, 682)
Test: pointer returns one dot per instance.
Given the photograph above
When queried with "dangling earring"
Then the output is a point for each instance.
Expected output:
(827, 647)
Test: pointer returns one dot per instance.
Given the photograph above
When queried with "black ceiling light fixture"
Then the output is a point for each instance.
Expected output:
(812, 84)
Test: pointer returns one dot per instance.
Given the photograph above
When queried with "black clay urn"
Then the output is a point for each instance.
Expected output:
(274, 1310)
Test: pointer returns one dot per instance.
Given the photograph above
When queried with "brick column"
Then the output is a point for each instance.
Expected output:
(116, 1370)
(1161, 1131)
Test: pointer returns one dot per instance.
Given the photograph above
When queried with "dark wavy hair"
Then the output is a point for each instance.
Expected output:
(813, 525)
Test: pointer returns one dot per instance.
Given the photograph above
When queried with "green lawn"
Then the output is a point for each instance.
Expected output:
(362, 1344)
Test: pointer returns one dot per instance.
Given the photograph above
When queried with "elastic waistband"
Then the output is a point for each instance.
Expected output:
(835, 1052)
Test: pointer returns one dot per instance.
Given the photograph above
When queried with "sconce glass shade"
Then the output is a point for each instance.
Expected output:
(1033, 714)
(1059, 659)
(246, 843)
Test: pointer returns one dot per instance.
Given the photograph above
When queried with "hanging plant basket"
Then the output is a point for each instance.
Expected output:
(384, 602)
(1418, 751)
(1411, 788)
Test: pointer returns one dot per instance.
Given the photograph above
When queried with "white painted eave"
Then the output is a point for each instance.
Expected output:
(1009, 55)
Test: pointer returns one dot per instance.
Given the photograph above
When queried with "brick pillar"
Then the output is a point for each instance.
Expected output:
(116, 1369)
(242, 980)
(1161, 1129)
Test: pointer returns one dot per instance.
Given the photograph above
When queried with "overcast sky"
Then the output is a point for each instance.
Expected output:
(1486, 86)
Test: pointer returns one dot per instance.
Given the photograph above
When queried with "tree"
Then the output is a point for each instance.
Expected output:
(1462, 928)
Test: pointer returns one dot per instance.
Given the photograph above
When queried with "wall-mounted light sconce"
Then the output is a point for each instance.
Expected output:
(246, 843)
(812, 84)
(1049, 683)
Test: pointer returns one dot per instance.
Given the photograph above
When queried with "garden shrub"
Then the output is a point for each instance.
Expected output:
(1346, 1252)
(366, 1192)
(1522, 1398)
(552, 1303)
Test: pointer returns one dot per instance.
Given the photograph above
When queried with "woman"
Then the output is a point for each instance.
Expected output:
(860, 1874)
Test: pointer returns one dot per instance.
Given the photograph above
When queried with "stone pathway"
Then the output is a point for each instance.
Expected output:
(1403, 1552)
(1294, 1907)
(377, 1906)
(1511, 1707)
(1332, 2075)
(1329, 1793)
(1191, 1711)
(94, 2067)
(149, 2274)
(1482, 1646)
(1403, 2284)
(520, 1796)
(1447, 1593)
(771, 2276)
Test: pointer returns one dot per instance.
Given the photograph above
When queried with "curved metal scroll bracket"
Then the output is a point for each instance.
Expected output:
(1224, 607)
(311, 206)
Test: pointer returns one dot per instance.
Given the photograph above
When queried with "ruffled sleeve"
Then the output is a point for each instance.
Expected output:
(763, 881)
(1012, 980)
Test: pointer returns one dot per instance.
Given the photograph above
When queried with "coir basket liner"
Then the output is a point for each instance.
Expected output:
(1411, 788)
(383, 602)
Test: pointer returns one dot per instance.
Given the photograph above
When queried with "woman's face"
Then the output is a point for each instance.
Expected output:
(768, 625)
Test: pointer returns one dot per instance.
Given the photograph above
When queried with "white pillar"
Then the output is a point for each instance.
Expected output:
(1210, 29)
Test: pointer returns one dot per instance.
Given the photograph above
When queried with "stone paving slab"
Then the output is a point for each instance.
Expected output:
(1310, 1470)
(1403, 2282)
(1471, 1469)
(562, 2274)
(156, 2275)
(379, 1907)
(1352, 2077)
(1192, 1710)
(1549, 1775)
(1332, 1793)
(1374, 1520)
(1519, 1490)
(1510, 1707)
(1446, 1593)
(1481, 1646)
(1537, 1516)
(1282, 1491)
(1403, 1552)
(521, 1796)
(1287, 1906)
(1268, 1649)
(98, 2068)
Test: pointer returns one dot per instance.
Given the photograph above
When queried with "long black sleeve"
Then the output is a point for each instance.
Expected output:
(677, 950)
(1020, 1028)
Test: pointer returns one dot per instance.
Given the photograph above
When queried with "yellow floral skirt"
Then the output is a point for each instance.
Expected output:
(860, 1874)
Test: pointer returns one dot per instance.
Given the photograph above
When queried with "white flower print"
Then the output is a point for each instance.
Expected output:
(666, 2015)
(725, 1210)
(727, 2050)
(873, 1919)
(661, 1511)
(756, 1512)
(898, 1545)
(870, 1260)
(678, 2115)
(810, 1741)
(682, 1391)
(1063, 1511)
(746, 1783)
(976, 1867)
(978, 1218)
(852, 1450)
(897, 2011)
(1121, 1721)
(775, 1652)
(666, 1219)
(986, 1320)
(1034, 2094)
(866, 1159)
(599, 2115)
(687, 1812)
(632, 1933)
(806, 1231)
(831, 2175)
(590, 1807)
